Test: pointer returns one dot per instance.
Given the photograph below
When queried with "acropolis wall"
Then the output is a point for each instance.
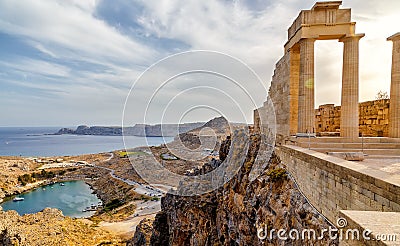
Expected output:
(373, 119)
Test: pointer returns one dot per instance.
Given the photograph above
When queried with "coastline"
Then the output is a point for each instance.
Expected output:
(15, 188)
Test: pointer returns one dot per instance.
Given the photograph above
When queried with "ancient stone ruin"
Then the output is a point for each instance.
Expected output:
(292, 88)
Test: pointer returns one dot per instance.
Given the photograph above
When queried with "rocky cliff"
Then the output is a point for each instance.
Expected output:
(143, 233)
(233, 214)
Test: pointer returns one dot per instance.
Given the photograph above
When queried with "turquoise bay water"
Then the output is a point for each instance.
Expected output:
(71, 199)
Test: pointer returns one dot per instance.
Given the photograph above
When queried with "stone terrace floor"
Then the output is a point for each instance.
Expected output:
(380, 153)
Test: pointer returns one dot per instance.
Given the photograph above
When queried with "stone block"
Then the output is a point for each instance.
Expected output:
(349, 156)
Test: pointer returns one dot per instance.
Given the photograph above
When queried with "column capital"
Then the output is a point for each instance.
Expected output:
(347, 38)
(395, 37)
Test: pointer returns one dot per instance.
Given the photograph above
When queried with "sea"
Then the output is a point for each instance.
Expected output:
(33, 141)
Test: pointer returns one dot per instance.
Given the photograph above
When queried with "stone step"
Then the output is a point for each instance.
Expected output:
(351, 145)
(382, 152)
(379, 157)
(344, 140)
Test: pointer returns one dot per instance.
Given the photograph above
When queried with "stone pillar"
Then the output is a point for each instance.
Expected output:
(349, 115)
(294, 77)
(306, 87)
(394, 110)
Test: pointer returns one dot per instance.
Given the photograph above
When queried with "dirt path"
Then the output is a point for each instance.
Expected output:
(144, 209)
(127, 227)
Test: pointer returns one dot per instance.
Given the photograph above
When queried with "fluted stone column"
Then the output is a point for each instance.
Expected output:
(294, 88)
(349, 118)
(394, 110)
(306, 87)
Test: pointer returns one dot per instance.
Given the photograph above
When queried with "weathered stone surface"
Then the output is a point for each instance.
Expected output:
(373, 118)
(348, 156)
(50, 227)
(332, 184)
(394, 121)
(383, 228)
(142, 234)
(350, 86)
(306, 87)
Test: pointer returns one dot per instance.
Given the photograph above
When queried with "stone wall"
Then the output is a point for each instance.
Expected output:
(332, 184)
(373, 119)
(279, 93)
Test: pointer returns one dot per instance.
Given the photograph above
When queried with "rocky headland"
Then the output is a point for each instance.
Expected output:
(140, 130)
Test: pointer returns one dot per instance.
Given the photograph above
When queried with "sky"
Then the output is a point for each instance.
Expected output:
(66, 63)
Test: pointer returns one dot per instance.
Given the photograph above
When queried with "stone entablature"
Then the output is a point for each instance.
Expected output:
(324, 21)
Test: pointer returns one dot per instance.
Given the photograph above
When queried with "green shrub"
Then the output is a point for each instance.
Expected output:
(25, 179)
(113, 205)
(277, 174)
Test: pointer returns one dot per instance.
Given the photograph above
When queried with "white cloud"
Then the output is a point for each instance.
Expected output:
(71, 27)
(27, 65)
(69, 32)
(258, 37)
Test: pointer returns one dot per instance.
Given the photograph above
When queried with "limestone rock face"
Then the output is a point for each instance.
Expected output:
(233, 214)
(224, 150)
(49, 227)
(143, 233)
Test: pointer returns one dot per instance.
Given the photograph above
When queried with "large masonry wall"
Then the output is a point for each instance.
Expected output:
(279, 94)
(332, 184)
(373, 118)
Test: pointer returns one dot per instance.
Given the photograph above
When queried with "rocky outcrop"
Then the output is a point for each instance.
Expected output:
(50, 227)
(224, 149)
(140, 130)
(143, 233)
(218, 127)
(233, 214)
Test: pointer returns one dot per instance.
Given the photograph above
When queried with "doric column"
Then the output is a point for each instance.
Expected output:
(394, 110)
(306, 87)
(349, 118)
(294, 78)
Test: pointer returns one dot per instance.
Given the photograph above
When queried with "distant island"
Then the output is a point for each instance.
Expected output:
(140, 130)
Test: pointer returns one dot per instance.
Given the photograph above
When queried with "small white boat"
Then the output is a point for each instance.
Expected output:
(62, 184)
(18, 199)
